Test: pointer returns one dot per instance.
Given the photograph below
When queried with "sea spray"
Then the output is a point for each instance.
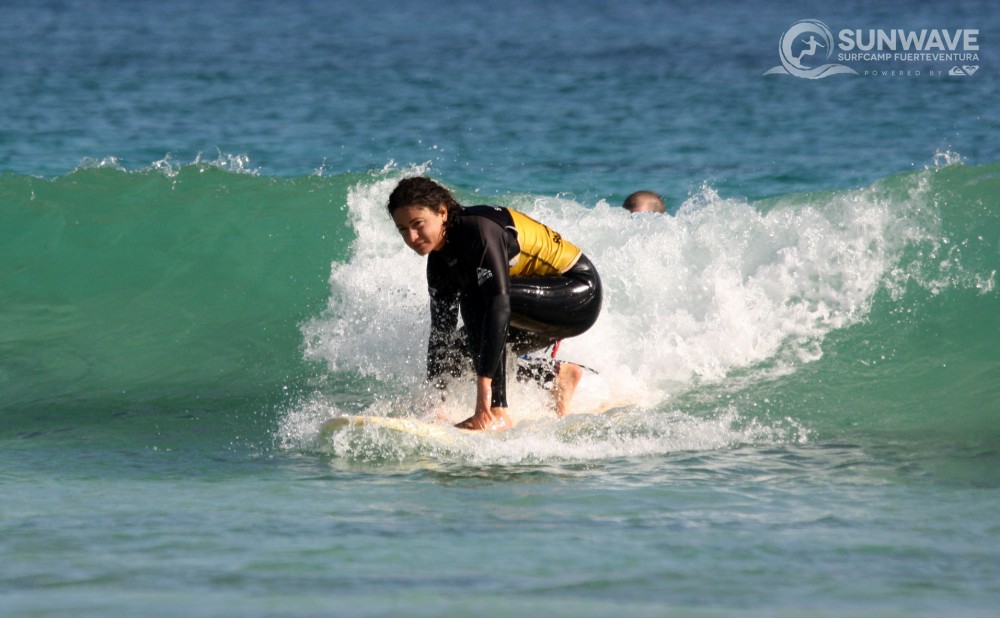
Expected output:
(724, 295)
(722, 285)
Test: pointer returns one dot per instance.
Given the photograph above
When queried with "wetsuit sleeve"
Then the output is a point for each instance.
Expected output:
(442, 355)
(493, 282)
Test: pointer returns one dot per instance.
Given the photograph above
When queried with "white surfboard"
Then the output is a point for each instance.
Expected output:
(440, 432)
(437, 432)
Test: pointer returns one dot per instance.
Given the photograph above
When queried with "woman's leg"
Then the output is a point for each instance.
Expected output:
(547, 309)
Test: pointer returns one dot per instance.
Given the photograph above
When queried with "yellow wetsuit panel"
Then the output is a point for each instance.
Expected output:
(543, 251)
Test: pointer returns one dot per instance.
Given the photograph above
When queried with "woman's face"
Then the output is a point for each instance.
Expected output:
(422, 228)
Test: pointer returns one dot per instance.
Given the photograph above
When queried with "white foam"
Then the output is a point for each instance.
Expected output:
(724, 285)
(627, 433)
(376, 319)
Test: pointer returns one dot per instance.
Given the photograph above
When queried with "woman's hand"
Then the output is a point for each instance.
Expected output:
(494, 419)
(485, 417)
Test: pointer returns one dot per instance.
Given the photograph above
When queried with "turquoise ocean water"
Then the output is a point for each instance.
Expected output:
(196, 271)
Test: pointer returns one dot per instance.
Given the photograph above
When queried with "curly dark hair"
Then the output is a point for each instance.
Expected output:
(421, 192)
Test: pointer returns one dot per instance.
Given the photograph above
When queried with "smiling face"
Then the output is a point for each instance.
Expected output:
(422, 228)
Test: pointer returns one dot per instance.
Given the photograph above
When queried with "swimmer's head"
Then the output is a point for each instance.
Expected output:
(644, 201)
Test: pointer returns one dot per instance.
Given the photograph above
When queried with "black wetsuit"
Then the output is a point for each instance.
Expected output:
(555, 292)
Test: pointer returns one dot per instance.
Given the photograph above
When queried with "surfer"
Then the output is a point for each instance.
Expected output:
(809, 51)
(644, 201)
(515, 282)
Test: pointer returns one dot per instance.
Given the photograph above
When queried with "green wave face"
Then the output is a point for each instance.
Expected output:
(138, 287)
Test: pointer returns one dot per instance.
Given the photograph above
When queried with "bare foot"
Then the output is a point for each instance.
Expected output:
(569, 376)
(496, 419)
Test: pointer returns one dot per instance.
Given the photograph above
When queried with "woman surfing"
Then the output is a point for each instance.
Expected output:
(514, 280)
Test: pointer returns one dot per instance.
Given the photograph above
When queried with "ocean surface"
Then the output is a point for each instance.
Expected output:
(196, 271)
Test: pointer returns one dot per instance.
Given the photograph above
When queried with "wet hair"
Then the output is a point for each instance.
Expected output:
(421, 192)
(633, 201)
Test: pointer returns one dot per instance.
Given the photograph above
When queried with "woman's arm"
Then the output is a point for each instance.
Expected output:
(493, 281)
(443, 355)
